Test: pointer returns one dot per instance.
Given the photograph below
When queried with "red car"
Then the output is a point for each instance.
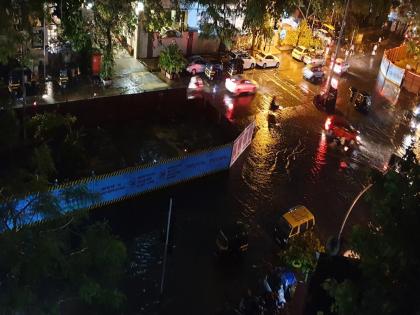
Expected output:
(340, 129)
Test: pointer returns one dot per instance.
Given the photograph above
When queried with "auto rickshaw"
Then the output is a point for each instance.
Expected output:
(362, 101)
(232, 239)
(15, 79)
(63, 78)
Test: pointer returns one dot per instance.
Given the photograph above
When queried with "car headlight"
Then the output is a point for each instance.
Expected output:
(358, 138)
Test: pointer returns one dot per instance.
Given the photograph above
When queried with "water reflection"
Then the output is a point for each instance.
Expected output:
(320, 159)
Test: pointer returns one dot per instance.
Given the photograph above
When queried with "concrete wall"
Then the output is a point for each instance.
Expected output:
(199, 45)
(130, 182)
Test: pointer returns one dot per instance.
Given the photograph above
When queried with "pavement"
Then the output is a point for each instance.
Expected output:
(130, 77)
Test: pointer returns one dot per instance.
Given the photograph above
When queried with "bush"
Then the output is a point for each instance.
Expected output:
(171, 59)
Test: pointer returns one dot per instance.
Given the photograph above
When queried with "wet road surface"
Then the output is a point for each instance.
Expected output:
(289, 162)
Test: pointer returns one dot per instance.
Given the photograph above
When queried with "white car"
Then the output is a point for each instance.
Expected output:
(300, 52)
(238, 85)
(340, 66)
(249, 61)
(197, 65)
(266, 60)
(314, 60)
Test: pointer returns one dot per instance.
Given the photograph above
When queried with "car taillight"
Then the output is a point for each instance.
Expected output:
(327, 124)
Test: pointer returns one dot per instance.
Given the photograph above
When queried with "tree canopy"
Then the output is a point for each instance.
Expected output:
(61, 261)
(388, 248)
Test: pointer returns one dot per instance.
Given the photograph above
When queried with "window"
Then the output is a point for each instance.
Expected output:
(303, 227)
(294, 231)
(310, 223)
(269, 57)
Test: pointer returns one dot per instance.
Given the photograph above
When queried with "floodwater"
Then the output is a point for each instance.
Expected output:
(289, 162)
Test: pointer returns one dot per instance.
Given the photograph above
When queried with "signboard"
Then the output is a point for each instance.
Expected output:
(37, 37)
(133, 181)
(384, 65)
(395, 74)
(242, 142)
(130, 182)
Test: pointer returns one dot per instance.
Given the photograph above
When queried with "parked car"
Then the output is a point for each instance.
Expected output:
(340, 66)
(299, 52)
(316, 50)
(294, 222)
(197, 65)
(249, 61)
(232, 238)
(313, 73)
(314, 59)
(214, 70)
(238, 85)
(196, 83)
(267, 60)
(340, 129)
(235, 66)
(324, 36)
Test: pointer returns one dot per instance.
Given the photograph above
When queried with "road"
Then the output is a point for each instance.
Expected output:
(289, 162)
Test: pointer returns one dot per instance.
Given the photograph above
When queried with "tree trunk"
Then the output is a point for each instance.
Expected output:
(109, 42)
(254, 38)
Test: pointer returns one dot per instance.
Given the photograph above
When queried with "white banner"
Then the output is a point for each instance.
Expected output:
(242, 142)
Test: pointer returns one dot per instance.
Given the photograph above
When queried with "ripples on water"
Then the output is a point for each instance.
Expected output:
(144, 271)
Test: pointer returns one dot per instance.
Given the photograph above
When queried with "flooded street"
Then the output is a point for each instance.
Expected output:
(289, 162)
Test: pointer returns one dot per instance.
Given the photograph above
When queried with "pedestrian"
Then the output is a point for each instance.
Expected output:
(273, 105)
(266, 285)
(352, 49)
(375, 47)
(280, 297)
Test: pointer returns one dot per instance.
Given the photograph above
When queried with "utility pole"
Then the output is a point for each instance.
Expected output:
(337, 48)
(45, 47)
(165, 253)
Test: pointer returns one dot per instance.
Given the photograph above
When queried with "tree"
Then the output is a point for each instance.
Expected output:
(74, 27)
(156, 17)
(302, 36)
(44, 268)
(16, 21)
(216, 20)
(389, 259)
(257, 20)
(110, 20)
(171, 59)
(63, 259)
(301, 252)
(100, 27)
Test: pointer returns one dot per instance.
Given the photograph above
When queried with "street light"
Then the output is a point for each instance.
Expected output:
(89, 5)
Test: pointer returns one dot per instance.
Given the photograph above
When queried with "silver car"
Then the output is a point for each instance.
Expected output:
(314, 60)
